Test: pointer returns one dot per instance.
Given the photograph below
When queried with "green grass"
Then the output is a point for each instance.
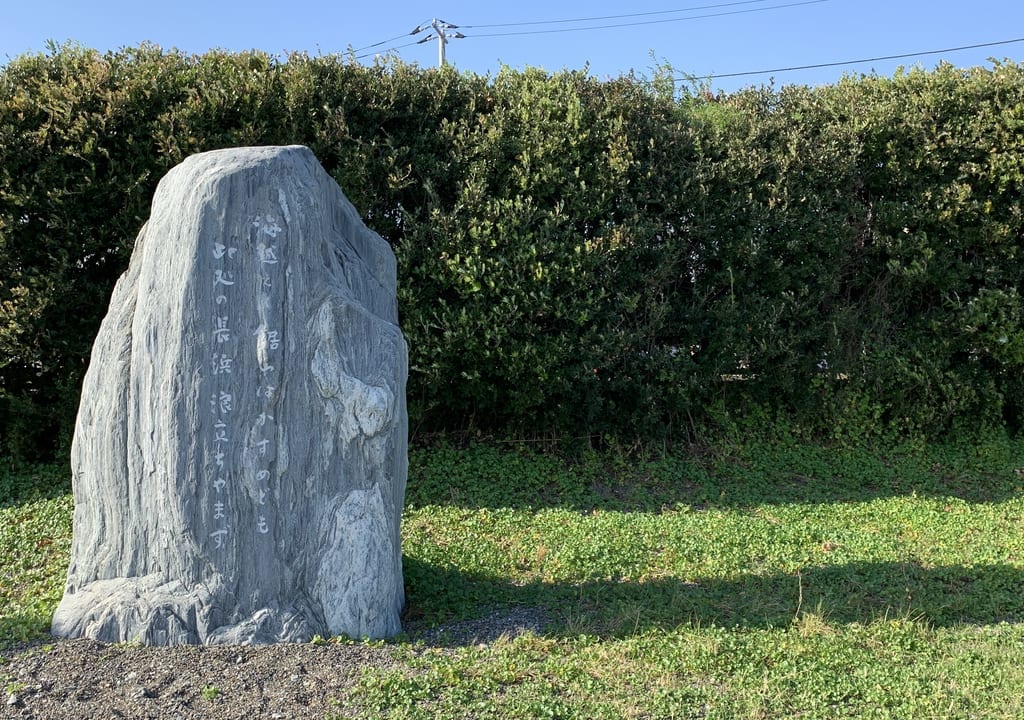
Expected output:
(35, 541)
(755, 581)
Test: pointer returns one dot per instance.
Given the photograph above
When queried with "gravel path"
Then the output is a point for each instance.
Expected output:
(86, 680)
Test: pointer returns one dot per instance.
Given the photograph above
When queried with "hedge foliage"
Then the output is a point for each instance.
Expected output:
(576, 256)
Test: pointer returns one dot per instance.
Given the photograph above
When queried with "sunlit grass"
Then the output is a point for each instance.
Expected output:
(762, 581)
(35, 539)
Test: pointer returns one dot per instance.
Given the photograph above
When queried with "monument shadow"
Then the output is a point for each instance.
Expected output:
(860, 592)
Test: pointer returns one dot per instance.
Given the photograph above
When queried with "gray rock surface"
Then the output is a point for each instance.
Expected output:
(240, 459)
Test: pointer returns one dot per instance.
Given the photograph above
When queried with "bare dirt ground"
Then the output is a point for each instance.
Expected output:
(86, 680)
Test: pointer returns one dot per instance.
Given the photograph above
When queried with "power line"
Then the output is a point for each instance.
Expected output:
(378, 52)
(900, 56)
(647, 22)
(423, 26)
(382, 42)
(418, 28)
(442, 34)
(616, 17)
(854, 62)
(426, 23)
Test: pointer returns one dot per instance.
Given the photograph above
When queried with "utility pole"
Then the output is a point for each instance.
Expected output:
(441, 29)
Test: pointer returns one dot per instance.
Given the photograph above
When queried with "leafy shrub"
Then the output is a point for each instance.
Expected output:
(577, 257)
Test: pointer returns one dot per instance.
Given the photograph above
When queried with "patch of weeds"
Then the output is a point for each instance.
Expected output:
(748, 581)
(35, 482)
(209, 693)
(492, 477)
(35, 539)
(524, 677)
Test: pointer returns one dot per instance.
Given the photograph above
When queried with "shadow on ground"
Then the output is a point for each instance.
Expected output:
(840, 594)
(491, 477)
(31, 484)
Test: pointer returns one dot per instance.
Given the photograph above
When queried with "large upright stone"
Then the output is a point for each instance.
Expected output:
(240, 457)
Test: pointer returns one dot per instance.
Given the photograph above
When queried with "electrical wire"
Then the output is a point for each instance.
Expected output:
(616, 17)
(382, 42)
(646, 22)
(425, 24)
(391, 40)
(854, 62)
(746, 73)
(390, 49)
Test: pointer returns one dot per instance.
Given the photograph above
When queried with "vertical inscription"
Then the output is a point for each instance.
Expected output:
(264, 234)
(241, 445)
(224, 349)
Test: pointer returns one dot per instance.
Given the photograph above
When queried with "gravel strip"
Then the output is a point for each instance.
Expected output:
(86, 680)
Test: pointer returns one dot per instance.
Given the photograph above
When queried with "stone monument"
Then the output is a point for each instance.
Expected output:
(240, 455)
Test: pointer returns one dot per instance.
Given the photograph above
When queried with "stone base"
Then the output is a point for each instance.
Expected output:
(153, 612)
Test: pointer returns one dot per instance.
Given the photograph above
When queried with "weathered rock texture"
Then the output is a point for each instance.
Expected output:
(240, 456)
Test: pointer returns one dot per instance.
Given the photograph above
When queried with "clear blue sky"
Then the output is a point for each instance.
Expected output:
(739, 38)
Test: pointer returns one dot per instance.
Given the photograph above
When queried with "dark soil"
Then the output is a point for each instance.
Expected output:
(86, 680)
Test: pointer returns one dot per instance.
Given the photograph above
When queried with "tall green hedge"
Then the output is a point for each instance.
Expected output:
(576, 256)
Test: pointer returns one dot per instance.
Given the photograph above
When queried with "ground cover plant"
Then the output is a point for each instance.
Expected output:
(757, 579)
